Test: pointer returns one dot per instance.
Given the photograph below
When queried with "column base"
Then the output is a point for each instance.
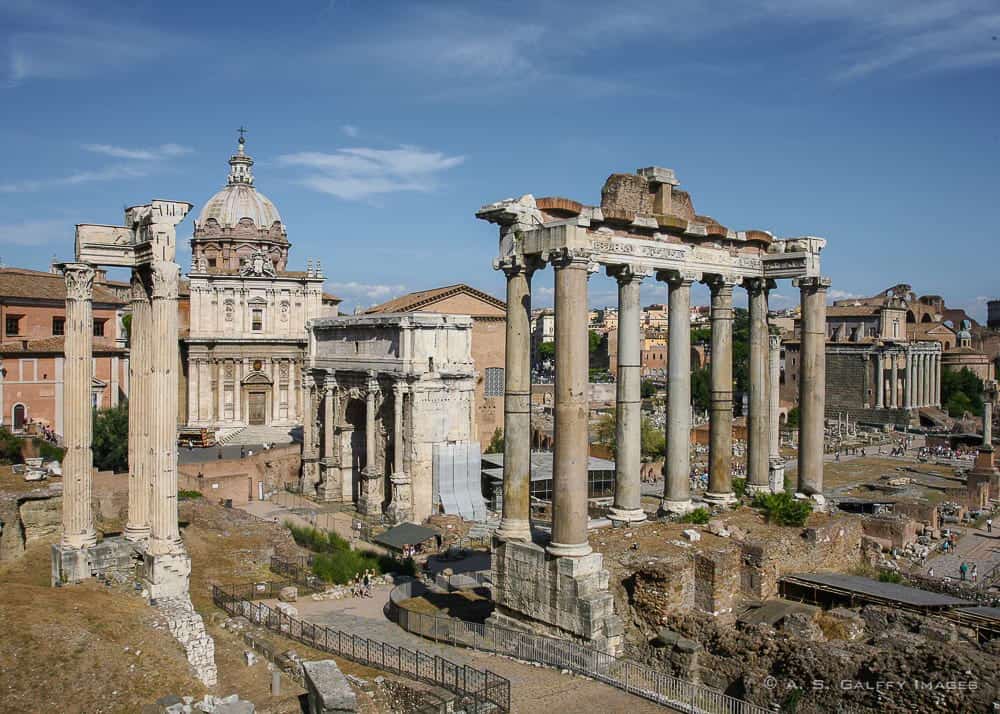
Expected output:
(675, 508)
(627, 515)
(569, 550)
(776, 475)
(136, 534)
(401, 507)
(514, 529)
(565, 597)
(166, 575)
(79, 541)
(720, 499)
(754, 488)
(74, 565)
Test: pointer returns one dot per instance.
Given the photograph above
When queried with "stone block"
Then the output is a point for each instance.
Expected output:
(166, 575)
(328, 689)
(69, 565)
(288, 594)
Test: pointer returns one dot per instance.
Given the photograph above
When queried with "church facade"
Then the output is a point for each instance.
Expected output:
(245, 350)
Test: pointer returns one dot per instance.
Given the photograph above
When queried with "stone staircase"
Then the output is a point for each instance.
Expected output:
(483, 530)
(257, 435)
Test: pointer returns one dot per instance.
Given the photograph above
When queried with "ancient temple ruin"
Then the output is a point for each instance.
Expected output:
(645, 227)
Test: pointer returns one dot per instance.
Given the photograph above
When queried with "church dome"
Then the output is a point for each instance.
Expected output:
(239, 201)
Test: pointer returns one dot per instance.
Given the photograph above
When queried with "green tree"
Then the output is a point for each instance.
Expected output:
(547, 351)
(961, 392)
(701, 382)
(10, 448)
(701, 335)
(110, 438)
(647, 389)
(741, 350)
(652, 439)
(496, 442)
(782, 508)
(595, 339)
(127, 327)
(793, 418)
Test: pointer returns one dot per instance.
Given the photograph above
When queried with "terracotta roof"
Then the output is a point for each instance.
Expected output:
(54, 345)
(40, 285)
(327, 297)
(415, 301)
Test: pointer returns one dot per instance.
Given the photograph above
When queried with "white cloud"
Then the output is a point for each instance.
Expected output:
(163, 151)
(350, 130)
(35, 233)
(836, 294)
(357, 173)
(370, 291)
(109, 173)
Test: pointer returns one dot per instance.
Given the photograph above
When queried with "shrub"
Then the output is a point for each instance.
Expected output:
(49, 451)
(739, 487)
(10, 448)
(316, 540)
(110, 439)
(889, 576)
(183, 495)
(698, 516)
(496, 443)
(782, 508)
(342, 566)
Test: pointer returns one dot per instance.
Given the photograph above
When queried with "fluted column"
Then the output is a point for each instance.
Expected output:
(720, 447)
(372, 493)
(775, 461)
(329, 415)
(78, 463)
(139, 410)
(515, 523)
(628, 431)
(401, 505)
(894, 380)
(936, 393)
(812, 384)
(758, 433)
(164, 532)
(908, 376)
(925, 368)
(570, 460)
(879, 381)
(398, 394)
(310, 439)
(677, 465)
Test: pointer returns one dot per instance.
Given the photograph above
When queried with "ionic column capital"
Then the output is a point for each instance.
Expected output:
(79, 279)
(165, 279)
(399, 388)
(755, 286)
(513, 265)
(816, 283)
(627, 273)
(679, 278)
(722, 284)
(574, 258)
(775, 342)
(330, 385)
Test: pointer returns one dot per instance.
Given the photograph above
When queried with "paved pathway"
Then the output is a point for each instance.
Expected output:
(533, 689)
(976, 546)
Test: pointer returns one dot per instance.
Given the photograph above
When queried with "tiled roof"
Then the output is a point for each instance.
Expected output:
(852, 310)
(414, 301)
(54, 345)
(39, 285)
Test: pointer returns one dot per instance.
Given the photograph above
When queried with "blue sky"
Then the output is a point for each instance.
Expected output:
(379, 128)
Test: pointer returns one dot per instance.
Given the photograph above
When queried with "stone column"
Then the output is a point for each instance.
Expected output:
(677, 466)
(164, 532)
(401, 506)
(879, 381)
(758, 433)
(812, 384)
(894, 381)
(775, 460)
(627, 506)
(571, 457)
(140, 410)
(310, 468)
(908, 376)
(515, 523)
(329, 415)
(78, 375)
(720, 448)
(371, 497)
(925, 369)
(936, 393)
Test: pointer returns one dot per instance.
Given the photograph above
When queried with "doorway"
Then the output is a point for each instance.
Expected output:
(257, 408)
(20, 416)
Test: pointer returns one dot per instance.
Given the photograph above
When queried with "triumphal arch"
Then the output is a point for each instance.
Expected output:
(645, 228)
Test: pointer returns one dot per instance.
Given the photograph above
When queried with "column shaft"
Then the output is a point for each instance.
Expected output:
(774, 401)
(720, 447)
(908, 377)
(677, 467)
(164, 359)
(936, 394)
(397, 428)
(78, 375)
(812, 384)
(894, 381)
(569, 478)
(879, 381)
(139, 411)
(628, 435)
(329, 419)
(925, 368)
(515, 523)
(758, 433)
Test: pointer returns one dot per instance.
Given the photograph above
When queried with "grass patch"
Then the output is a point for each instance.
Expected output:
(183, 495)
(698, 516)
(782, 508)
(334, 561)
(889, 576)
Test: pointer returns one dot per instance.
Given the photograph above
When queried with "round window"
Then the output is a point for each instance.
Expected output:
(257, 365)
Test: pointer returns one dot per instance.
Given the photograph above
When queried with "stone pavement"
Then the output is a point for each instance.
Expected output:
(976, 546)
(533, 689)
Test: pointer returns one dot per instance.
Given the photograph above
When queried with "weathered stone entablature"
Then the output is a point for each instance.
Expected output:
(645, 225)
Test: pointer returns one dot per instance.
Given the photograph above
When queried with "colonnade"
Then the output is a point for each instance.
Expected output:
(914, 383)
(571, 409)
(152, 502)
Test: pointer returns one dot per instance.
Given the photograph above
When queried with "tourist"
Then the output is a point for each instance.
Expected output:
(963, 570)
(243, 452)
(974, 573)
(930, 572)
(989, 525)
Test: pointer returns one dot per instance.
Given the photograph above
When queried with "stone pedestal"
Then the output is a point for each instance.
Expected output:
(561, 596)
(371, 492)
(166, 575)
(73, 565)
(331, 486)
(401, 507)
(985, 472)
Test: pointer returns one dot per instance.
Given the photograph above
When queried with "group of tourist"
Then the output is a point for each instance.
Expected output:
(968, 571)
(362, 586)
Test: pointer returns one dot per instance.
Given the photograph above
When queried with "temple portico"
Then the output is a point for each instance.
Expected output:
(645, 226)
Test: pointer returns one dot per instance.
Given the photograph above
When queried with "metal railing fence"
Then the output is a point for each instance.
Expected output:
(478, 690)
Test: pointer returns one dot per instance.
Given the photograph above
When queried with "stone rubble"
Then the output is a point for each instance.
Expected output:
(210, 704)
(188, 628)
